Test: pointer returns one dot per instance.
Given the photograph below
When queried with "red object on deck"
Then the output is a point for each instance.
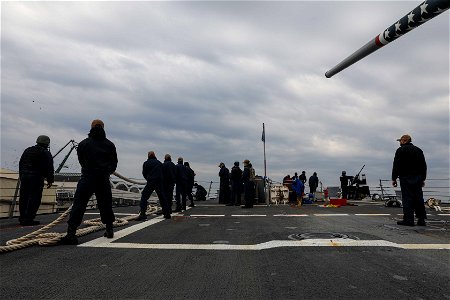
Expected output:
(340, 202)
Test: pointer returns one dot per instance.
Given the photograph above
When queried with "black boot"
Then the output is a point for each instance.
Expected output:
(142, 216)
(109, 233)
(192, 204)
(405, 223)
(178, 209)
(29, 223)
(70, 238)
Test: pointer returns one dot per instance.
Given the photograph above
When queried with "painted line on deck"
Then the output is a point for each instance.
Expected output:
(116, 214)
(291, 215)
(249, 215)
(105, 243)
(330, 215)
(206, 215)
(372, 214)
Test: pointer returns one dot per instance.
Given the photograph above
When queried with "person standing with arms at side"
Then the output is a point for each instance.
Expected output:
(248, 185)
(411, 168)
(190, 183)
(313, 183)
(35, 165)
(169, 171)
(344, 184)
(98, 159)
(224, 192)
(236, 184)
(181, 187)
(152, 170)
(302, 177)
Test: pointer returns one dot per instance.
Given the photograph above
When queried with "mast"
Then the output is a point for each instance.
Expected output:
(263, 139)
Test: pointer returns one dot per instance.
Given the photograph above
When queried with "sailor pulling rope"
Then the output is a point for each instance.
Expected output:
(39, 237)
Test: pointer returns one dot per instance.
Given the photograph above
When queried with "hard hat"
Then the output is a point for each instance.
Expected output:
(43, 139)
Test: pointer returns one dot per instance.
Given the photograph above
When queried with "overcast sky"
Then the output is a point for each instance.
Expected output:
(198, 79)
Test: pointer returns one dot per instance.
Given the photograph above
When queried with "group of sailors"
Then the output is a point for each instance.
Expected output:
(297, 185)
(163, 178)
(98, 159)
(237, 179)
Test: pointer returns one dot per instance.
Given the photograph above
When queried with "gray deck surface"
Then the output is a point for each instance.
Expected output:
(217, 252)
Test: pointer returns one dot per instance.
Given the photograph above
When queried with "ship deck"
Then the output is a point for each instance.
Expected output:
(216, 252)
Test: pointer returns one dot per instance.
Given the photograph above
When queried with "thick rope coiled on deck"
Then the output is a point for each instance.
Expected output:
(39, 237)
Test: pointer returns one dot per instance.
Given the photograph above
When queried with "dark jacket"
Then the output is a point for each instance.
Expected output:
(37, 160)
(246, 174)
(224, 175)
(190, 177)
(236, 174)
(97, 154)
(181, 173)
(169, 172)
(409, 161)
(313, 181)
(152, 170)
(302, 177)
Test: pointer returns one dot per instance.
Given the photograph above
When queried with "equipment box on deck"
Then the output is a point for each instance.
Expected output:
(340, 202)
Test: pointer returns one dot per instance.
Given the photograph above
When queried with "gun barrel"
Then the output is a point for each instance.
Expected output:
(419, 15)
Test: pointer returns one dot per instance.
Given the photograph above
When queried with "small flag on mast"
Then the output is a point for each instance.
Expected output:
(263, 137)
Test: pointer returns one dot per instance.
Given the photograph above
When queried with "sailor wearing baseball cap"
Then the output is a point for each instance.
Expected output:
(410, 167)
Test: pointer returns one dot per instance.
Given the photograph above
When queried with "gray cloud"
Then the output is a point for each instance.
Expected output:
(198, 79)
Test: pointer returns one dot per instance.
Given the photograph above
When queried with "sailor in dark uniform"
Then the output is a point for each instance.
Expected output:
(169, 171)
(98, 159)
(35, 165)
(181, 187)
(152, 170)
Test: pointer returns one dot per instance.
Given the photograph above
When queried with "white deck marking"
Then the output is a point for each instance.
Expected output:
(443, 215)
(372, 214)
(206, 215)
(104, 243)
(330, 215)
(291, 215)
(249, 215)
(116, 214)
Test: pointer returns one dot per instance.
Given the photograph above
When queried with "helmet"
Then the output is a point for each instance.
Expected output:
(343, 172)
(236, 163)
(43, 139)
